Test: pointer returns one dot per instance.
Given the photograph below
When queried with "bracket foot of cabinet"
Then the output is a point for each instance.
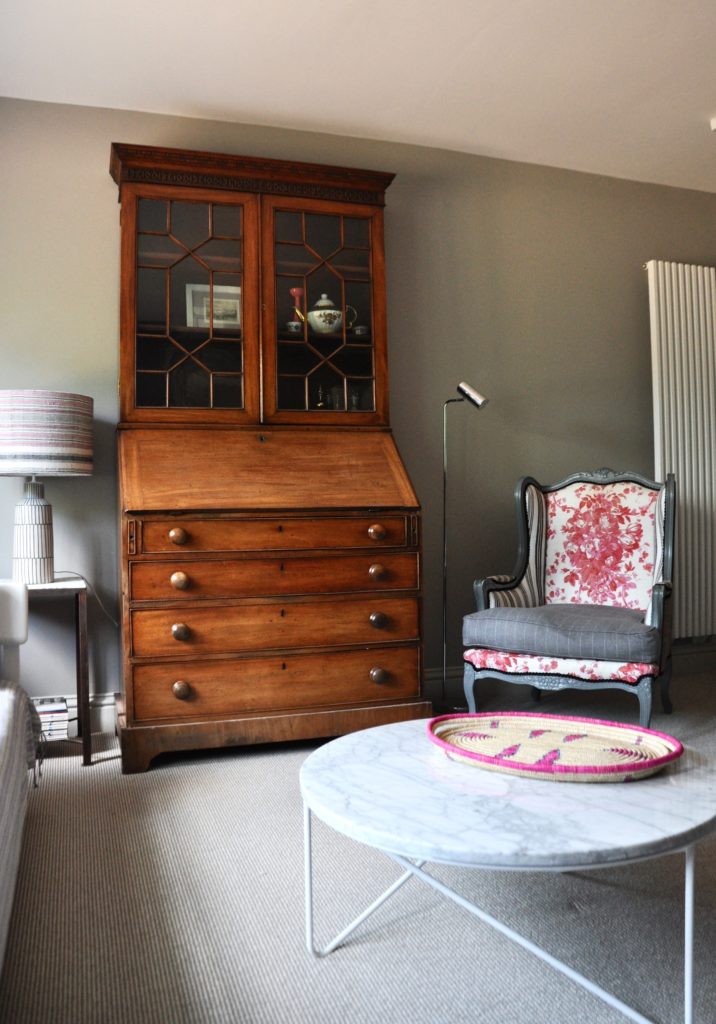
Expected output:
(141, 744)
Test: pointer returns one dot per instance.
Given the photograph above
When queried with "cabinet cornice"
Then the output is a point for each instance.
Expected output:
(161, 166)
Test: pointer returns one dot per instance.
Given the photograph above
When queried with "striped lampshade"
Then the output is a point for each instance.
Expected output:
(45, 433)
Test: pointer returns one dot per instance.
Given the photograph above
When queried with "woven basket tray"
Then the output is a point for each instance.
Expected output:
(556, 747)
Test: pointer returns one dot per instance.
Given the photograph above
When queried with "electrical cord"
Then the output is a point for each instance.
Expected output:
(91, 589)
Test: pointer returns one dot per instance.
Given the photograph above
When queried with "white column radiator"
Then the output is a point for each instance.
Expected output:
(682, 305)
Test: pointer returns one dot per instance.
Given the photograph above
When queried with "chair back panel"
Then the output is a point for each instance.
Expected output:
(529, 592)
(602, 544)
(534, 579)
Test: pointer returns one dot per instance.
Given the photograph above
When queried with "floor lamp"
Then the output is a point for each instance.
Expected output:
(42, 433)
(479, 401)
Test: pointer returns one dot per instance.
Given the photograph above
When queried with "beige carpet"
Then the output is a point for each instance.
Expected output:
(176, 897)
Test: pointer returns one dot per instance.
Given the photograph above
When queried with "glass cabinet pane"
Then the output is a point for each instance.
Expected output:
(189, 342)
(323, 291)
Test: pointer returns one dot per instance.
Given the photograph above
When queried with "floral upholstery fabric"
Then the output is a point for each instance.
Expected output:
(577, 668)
(601, 545)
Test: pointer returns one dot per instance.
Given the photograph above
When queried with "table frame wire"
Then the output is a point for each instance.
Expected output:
(414, 870)
(77, 588)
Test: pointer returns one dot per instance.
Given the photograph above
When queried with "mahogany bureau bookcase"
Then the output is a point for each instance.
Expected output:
(270, 536)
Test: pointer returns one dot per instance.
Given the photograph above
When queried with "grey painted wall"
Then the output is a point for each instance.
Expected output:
(526, 281)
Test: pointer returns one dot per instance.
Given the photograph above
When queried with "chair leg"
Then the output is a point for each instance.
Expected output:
(664, 681)
(470, 682)
(643, 692)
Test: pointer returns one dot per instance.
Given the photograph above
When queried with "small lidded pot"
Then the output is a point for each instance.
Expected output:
(324, 318)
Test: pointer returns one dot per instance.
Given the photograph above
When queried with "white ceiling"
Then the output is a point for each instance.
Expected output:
(618, 87)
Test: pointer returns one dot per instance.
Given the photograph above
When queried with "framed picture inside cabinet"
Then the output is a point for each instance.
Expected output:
(226, 306)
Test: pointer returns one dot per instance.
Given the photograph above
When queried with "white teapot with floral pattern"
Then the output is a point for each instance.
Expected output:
(324, 318)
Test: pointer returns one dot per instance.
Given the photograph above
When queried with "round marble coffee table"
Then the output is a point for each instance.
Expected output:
(392, 789)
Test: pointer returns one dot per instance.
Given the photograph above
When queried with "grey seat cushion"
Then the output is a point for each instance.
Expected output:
(594, 632)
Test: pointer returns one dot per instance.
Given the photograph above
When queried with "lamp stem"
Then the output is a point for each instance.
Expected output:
(445, 474)
(32, 550)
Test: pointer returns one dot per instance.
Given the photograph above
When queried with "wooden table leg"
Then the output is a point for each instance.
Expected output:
(84, 725)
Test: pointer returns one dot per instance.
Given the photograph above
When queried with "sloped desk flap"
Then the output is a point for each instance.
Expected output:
(165, 469)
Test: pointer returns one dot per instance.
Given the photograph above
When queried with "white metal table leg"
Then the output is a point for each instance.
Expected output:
(559, 965)
(308, 877)
(308, 868)
(689, 878)
(415, 870)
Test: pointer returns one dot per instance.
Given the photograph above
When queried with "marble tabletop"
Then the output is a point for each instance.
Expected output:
(393, 789)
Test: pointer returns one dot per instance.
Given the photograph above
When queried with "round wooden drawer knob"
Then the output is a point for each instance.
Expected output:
(378, 620)
(376, 571)
(376, 531)
(379, 675)
(180, 631)
(177, 535)
(179, 580)
(181, 690)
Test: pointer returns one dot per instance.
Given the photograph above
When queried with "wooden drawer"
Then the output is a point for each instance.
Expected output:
(255, 577)
(161, 535)
(272, 625)
(225, 687)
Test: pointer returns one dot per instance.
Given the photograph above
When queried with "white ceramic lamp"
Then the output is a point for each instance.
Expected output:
(42, 433)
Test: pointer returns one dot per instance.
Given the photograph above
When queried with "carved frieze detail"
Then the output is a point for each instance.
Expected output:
(195, 179)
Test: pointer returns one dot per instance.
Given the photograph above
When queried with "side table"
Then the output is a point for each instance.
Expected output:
(78, 589)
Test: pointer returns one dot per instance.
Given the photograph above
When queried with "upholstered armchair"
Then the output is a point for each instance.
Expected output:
(589, 603)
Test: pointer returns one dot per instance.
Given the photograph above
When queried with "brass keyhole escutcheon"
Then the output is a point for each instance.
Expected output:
(180, 631)
(178, 535)
(377, 531)
(181, 690)
(179, 580)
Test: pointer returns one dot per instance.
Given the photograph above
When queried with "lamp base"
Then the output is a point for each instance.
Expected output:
(33, 549)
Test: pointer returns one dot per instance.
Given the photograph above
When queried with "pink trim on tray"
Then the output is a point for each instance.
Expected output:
(552, 768)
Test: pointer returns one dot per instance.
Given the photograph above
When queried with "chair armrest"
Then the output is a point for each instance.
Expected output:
(507, 592)
(660, 594)
(661, 617)
(521, 589)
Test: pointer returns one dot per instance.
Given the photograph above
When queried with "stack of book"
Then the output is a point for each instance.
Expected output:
(54, 716)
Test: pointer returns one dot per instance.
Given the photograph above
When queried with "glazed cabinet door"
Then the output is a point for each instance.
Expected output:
(189, 316)
(324, 319)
